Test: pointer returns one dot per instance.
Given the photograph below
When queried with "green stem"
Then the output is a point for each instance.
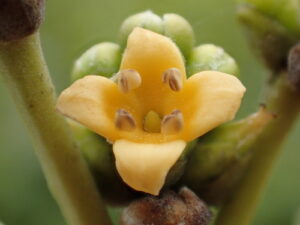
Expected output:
(24, 70)
(241, 208)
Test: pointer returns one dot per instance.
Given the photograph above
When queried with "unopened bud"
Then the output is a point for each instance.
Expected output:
(98, 154)
(211, 57)
(168, 209)
(101, 59)
(180, 31)
(147, 20)
(171, 25)
(20, 18)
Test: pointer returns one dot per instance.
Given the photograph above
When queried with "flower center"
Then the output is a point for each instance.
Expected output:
(130, 79)
(152, 122)
(169, 124)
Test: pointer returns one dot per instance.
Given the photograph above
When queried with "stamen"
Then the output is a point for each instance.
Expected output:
(173, 78)
(128, 80)
(152, 122)
(124, 120)
(172, 123)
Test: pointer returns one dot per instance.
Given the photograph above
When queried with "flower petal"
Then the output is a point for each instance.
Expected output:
(93, 102)
(144, 167)
(209, 99)
(151, 54)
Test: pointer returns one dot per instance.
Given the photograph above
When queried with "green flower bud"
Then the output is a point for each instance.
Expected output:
(89, 144)
(211, 57)
(171, 25)
(180, 31)
(99, 156)
(268, 37)
(286, 12)
(147, 20)
(220, 151)
(101, 59)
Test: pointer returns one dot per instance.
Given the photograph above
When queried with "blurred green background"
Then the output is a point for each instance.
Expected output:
(71, 26)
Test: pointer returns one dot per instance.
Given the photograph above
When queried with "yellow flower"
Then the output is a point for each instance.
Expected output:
(149, 110)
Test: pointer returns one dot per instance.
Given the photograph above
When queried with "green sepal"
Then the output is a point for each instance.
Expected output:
(101, 59)
(224, 149)
(211, 57)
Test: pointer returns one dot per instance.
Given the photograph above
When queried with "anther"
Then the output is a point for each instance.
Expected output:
(128, 80)
(172, 77)
(172, 123)
(124, 120)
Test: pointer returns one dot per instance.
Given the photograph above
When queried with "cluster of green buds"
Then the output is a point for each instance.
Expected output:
(104, 58)
(206, 160)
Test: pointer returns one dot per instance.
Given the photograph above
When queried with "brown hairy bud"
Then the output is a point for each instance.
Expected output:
(168, 209)
(19, 18)
(294, 66)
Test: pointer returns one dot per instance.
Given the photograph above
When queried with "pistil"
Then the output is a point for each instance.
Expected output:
(152, 122)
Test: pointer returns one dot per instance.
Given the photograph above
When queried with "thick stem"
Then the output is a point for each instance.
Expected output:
(240, 209)
(24, 70)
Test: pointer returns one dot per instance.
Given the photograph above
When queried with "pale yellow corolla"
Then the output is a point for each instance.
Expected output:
(149, 110)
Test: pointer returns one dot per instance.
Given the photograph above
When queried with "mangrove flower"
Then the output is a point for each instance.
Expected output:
(149, 110)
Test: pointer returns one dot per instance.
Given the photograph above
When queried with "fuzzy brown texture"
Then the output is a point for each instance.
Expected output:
(168, 209)
(20, 18)
(294, 67)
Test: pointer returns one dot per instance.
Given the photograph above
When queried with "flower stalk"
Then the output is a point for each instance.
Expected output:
(25, 73)
(283, 101)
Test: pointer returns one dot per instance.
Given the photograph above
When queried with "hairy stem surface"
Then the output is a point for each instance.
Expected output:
(25, 72)
(284, 102)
